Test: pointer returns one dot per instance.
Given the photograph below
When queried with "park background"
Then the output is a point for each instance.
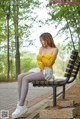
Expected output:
(21, 24)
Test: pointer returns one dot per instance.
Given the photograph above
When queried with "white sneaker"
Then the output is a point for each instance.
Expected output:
(19, 111)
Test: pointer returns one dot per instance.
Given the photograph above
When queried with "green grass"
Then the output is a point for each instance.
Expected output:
(2, 78)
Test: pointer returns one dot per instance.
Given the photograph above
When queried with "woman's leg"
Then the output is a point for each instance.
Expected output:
(25, 84)
(23, 81)
(20, 77)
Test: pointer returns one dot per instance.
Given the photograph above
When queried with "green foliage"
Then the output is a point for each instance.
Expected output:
(8, 12)
(2, 77)
(68, 18)
(61, 61)
(26, 8)
(1, 67)
(28, 61)
(2, 63)
(59, 67)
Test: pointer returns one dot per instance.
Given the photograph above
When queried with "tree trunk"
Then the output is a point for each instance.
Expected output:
(17, 57)
(8, 62)
(6, 10)
(17, 45)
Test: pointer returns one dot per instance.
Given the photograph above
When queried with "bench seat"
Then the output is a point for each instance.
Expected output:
(57, 80)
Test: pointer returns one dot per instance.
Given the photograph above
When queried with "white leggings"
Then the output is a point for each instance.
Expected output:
(23, 83)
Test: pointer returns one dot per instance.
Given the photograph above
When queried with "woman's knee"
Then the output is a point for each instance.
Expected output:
(20, 76)
(25, 79)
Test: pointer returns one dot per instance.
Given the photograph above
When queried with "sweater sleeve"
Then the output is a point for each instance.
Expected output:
(40, 65)
(49, 61)
(39, 62)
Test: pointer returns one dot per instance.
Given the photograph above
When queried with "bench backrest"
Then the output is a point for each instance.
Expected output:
(72, 67)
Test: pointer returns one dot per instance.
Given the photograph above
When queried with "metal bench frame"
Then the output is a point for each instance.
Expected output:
(71, 72)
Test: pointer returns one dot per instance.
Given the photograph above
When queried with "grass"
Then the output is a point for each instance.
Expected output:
(4, 79)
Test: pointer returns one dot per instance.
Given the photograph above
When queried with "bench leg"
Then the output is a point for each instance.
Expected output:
(54, 96)
(63, 96)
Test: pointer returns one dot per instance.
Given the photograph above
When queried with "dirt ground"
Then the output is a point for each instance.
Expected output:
(73, 93)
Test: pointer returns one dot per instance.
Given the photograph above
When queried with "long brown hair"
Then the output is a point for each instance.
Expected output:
(47, 37)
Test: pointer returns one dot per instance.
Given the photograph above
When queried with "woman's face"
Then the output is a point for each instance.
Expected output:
(44, 44)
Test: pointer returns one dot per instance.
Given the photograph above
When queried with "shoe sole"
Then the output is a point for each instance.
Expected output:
(14, 117)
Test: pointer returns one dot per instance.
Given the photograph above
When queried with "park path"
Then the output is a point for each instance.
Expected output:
(9, 95)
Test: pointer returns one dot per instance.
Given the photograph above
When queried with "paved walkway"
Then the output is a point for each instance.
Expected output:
(9, 95)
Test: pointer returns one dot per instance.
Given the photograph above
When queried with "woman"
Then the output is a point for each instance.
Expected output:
(45, 60)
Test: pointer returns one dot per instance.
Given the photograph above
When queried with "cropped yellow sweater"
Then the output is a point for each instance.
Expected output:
(45, 60)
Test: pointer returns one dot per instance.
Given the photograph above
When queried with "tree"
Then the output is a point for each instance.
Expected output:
(69, 16)
(16, 29)
(6, 10)
(16, 20)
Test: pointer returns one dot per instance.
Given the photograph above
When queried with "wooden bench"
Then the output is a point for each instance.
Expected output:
(69, 76)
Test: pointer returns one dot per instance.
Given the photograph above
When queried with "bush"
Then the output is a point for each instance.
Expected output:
(2, 77)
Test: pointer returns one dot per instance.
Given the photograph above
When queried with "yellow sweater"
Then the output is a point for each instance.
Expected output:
(45, 60)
